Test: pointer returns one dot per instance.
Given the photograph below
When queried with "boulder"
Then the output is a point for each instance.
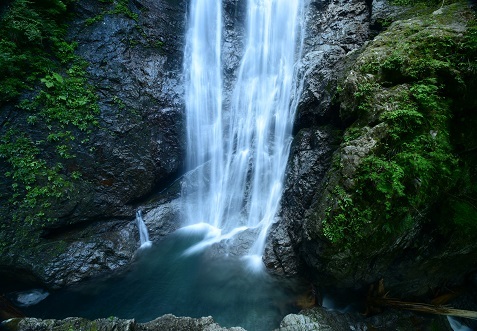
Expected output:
(322, 319)
(166, 322)
(415, 245)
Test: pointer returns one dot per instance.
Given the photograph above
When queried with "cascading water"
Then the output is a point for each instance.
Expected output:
(143, 233)
(238, 155)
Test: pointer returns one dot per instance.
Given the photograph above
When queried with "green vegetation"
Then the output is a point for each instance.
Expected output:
(416, 82)
(44, 84)
(421, 3)
(412, 2)
(33, 179)
(119, 7)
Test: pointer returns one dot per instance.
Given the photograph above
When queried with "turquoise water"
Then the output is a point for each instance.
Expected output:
(164, 280)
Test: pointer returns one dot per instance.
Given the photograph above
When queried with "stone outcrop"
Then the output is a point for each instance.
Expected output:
(325, 320)
(135, 66)
(138, 150)
(309, 161)
(424, 255)
(166, 322)
(334, 30)
(310, 319)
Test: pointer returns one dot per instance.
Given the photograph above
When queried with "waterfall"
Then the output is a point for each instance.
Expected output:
(237, 153)
(143, 234)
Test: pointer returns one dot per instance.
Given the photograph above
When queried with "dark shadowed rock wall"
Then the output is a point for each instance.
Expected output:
(137, 149)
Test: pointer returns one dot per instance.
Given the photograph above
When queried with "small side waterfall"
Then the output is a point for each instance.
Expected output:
(143, 234)
(238, 155)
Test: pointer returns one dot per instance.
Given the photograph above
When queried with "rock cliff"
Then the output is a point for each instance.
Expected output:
(134, 64)
(380, 180)
(389, 196)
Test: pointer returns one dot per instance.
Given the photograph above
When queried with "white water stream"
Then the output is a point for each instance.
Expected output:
(237, 156)
(143, 233)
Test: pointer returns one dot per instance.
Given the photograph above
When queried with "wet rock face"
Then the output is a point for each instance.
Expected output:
(233, 39)
(309, 161)
(137, 149)
(136, 68)
(105, 247)
(333, 28)
(323, 319)
(411, 261)
(71, 255)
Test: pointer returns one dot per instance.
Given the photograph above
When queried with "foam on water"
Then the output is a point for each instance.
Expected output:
(456, 325)
(31, 297)
(213, 239)
(254, 263)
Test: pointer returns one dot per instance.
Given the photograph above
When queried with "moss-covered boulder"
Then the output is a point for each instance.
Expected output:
(398, 200)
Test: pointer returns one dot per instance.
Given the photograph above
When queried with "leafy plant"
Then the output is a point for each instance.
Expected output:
(35, 182)
(29, 31)
(36, 57)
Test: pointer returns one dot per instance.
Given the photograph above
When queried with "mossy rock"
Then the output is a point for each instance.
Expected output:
(399, 159)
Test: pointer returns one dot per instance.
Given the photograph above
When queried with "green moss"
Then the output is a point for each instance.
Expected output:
(465, 214)
(35, 182)
(407, 82)
(36, 57)
(119, 7)
(414, 2)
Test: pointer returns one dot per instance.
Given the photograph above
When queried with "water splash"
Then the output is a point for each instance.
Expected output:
(237, 153)
(143, 234)
(254, 263)
(213, 238)
(32, 297)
